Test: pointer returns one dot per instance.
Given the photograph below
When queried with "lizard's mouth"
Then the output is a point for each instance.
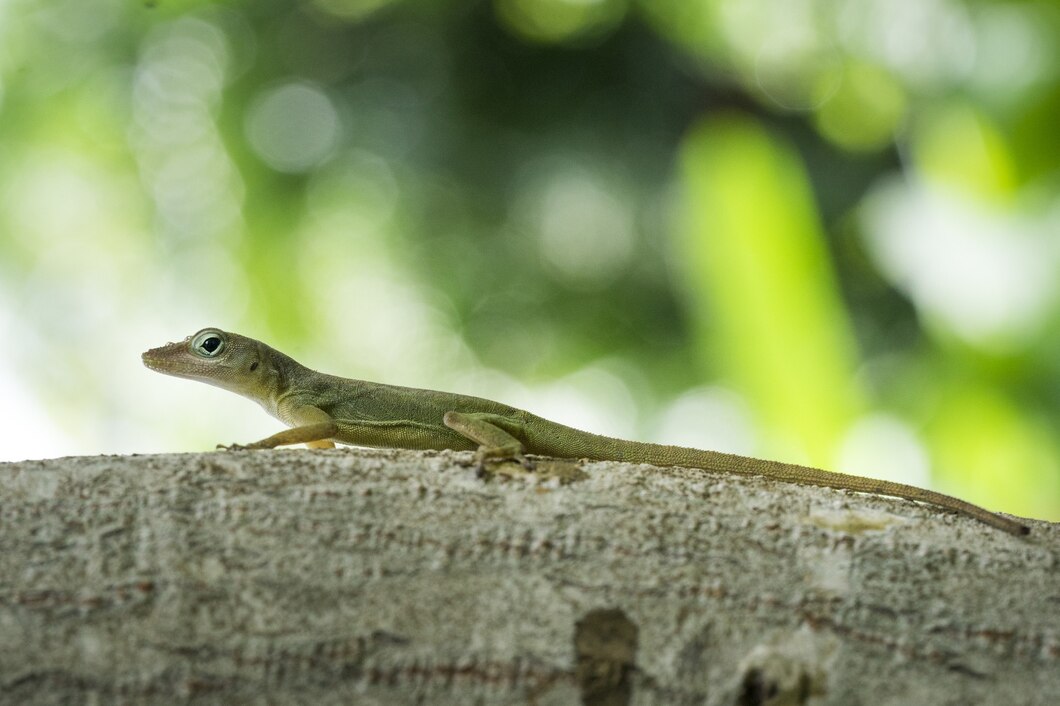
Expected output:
(168, 359)
(151, 361)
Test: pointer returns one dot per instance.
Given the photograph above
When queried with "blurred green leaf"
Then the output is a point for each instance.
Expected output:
(560, 20)
(994, 453)
(865, 110)
(761, 286)
(958, 146)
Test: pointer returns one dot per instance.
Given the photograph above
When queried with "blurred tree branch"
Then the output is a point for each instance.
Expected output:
(401, 577)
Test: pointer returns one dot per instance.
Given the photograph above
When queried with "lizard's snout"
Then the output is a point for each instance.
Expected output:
(157, 358)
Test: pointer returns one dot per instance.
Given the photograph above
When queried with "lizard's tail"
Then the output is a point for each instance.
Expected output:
(604, 448)
(814, 476)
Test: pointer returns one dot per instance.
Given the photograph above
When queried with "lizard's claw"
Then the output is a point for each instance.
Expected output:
(500, 455)
(240, 447)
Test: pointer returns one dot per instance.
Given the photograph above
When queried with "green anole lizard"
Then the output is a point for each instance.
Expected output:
(322, 409)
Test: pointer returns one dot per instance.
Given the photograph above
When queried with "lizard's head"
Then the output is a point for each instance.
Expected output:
(216, 357)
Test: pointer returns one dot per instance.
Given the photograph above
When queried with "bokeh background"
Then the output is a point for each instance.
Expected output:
(823, 231)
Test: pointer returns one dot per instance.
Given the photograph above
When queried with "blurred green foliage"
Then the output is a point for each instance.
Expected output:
(825, 231)
(770, 279)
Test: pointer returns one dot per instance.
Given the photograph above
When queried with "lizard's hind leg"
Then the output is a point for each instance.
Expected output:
(494, 442)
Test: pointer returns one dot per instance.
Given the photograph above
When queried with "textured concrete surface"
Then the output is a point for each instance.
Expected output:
(379, 577)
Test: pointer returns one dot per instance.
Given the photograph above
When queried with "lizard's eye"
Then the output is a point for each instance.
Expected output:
(208, 344)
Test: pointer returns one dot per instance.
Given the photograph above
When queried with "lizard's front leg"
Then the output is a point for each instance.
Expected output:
(316, 431)
(494, 442)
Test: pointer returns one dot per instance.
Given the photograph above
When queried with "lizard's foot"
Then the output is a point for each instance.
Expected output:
(504, 462)
(240, 447)
(501, 453)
